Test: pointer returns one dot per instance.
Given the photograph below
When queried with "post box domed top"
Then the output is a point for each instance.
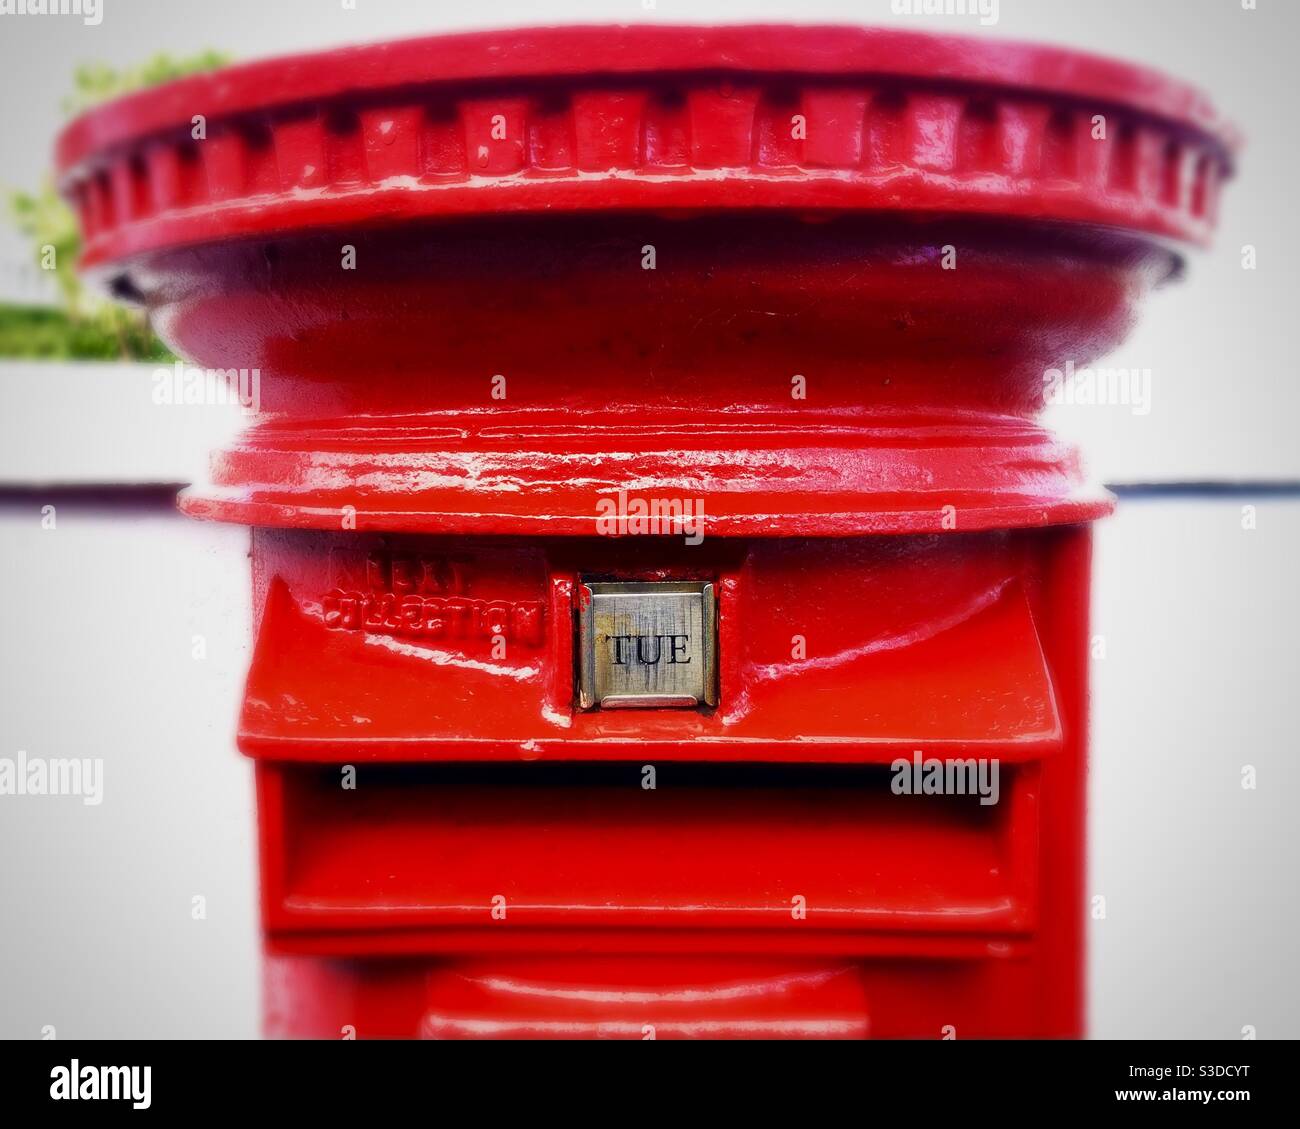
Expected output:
(712, 263)
(666, 119)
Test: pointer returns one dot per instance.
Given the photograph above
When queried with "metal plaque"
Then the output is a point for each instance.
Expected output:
(647, 644)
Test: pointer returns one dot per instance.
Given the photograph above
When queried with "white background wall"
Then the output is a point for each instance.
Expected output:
(98, 619)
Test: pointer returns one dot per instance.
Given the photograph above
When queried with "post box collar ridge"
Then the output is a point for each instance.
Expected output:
(807, 119)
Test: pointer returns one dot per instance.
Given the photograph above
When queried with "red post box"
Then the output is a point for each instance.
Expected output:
(670, 619)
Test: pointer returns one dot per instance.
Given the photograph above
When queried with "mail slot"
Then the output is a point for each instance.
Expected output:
(670, 616)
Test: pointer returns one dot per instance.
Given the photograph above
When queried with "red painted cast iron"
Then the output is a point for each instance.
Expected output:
(805, 280)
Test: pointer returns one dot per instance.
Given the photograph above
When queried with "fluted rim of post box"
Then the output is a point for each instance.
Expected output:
(673, 120)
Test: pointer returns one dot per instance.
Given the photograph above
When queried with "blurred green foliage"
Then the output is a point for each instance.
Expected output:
(110, 334)
(94, 83)
(86, 327)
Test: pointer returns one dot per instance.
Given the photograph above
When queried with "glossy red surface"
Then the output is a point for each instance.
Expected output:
(646, 118)
(921, 383)
(480, 787)
(702, 999)
(911, 641)
(910, 231)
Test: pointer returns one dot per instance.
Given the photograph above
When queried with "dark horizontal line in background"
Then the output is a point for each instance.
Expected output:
(1279, 488)
(116, 496)
(146, 496)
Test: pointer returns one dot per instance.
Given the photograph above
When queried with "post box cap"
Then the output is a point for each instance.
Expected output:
(666, 119)
(507, 195)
